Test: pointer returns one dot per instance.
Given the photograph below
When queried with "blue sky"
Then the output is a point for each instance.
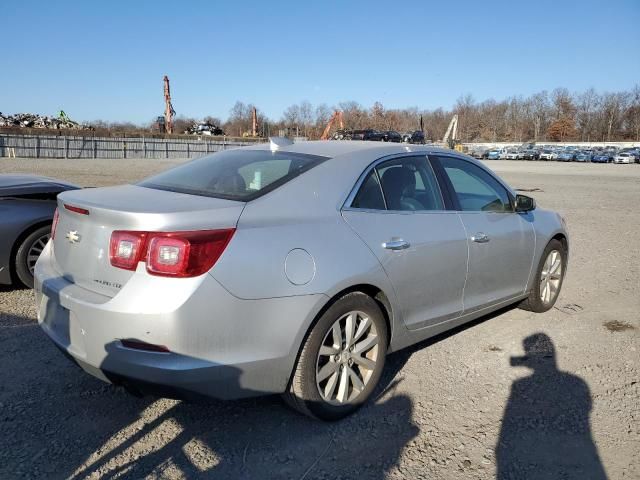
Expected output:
(105, 60)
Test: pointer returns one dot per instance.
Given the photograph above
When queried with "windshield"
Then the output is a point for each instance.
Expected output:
(235, 174)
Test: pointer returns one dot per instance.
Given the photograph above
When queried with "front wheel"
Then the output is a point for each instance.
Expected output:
(341, 360)
(548, 280)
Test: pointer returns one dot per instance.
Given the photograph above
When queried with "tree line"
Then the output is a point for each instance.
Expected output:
(558, 115)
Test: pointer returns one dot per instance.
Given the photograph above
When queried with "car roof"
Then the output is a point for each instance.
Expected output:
(336, 148)
(360, 154)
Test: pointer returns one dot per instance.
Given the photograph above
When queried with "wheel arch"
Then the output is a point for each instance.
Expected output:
(562, 238)
(376, 293)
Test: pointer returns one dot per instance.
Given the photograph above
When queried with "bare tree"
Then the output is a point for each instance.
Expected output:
(586, 104)
(586, 116)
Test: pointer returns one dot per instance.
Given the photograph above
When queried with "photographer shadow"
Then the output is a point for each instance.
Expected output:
(546, 432)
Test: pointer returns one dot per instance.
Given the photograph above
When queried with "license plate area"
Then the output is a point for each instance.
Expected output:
(62, 325)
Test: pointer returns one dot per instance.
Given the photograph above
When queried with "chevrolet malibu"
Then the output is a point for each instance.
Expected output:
(288, 268)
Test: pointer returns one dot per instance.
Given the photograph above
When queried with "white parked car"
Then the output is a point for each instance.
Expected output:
(512, 155)
(623, 158)
(548, 154)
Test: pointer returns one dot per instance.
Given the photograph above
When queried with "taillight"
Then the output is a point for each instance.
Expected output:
(81, 211)
(126, 249)
(54, 225)
(168, 256)
(171, 254)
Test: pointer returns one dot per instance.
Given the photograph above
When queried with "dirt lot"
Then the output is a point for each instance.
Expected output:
(453, 407)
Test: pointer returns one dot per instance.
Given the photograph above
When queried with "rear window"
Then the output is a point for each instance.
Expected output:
(235, 174)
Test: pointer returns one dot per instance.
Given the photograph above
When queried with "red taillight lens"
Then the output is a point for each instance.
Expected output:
(186, 254)
(168, 256)
(126, 249)
(81, 211)
(54, 225)
(171, 254)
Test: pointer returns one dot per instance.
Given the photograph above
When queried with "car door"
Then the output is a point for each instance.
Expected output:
(398, 211)
(501, 241)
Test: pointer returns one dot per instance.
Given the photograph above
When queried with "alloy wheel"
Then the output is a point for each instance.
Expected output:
(550, 277)
(347, 358)
(35, 250)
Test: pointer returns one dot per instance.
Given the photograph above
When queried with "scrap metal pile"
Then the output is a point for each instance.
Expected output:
(30, 120)
(204, 128)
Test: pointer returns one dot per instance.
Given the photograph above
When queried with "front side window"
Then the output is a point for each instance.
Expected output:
(404, 184)
(235, 174)
(475, 189)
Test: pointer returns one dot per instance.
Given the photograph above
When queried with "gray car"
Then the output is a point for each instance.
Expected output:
(289, 268)
(27, 204)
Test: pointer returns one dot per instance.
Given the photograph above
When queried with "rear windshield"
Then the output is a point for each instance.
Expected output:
(235, 174)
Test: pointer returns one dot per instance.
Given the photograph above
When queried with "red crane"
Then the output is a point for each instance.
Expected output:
(169, 112)
(337, 115)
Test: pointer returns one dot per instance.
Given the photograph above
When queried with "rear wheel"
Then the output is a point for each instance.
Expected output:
(341, 360)
(548, 279)
(28, 253)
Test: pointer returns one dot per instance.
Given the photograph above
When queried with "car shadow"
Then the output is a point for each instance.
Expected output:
(256, 438)
(67, 424)
(546, 432)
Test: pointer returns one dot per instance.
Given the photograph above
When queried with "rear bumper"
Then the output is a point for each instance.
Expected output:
(219, 346)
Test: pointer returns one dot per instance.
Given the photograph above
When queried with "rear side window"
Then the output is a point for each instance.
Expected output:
(235, 174)
(475, 189)
(402, 184)
(370, 194)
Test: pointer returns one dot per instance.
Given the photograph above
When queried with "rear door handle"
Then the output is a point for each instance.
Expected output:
(480, 237)
(398, 244)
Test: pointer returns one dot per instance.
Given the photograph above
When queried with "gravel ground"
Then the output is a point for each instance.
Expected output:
(450, 408)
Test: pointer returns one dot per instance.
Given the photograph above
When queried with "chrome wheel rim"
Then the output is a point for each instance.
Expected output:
(550, 277)
(347, 358)
(35, 250)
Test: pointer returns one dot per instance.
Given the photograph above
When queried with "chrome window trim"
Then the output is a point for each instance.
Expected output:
(346, 206)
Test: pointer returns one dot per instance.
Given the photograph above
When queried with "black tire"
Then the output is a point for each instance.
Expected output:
(22, 261)
(534, 302)
(303, 394)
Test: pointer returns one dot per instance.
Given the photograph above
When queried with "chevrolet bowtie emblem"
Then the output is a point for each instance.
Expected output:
(73, 236)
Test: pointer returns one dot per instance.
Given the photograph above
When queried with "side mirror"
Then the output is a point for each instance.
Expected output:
(524, 203)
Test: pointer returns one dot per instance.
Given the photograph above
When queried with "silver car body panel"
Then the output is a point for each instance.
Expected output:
(498, 269)
(294, 250)
(429, 276)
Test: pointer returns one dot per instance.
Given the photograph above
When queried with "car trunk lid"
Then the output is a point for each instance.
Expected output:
(88, 217)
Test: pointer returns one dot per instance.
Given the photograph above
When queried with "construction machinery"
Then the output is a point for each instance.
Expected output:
(450, 137)
(337, 116)
(66, 121)
(169, 112)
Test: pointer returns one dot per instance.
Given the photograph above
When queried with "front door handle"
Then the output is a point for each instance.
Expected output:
(480, 237)
(396, 244)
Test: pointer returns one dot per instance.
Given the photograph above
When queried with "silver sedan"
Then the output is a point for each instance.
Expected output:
(289, 268)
